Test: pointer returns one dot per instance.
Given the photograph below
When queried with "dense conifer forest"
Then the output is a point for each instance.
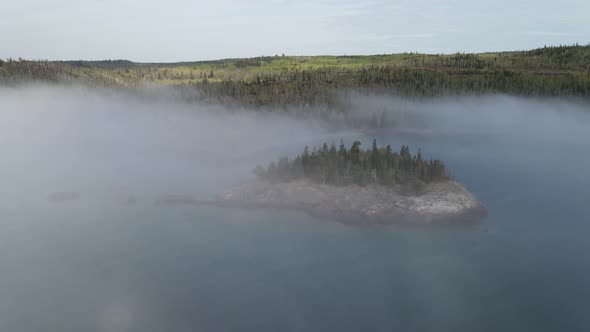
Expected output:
(341, 166)
(281, 82)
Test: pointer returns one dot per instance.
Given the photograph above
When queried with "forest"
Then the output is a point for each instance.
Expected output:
(342, 166)
(310, 83)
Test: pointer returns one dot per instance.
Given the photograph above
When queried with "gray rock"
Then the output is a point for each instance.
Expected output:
(438, 202)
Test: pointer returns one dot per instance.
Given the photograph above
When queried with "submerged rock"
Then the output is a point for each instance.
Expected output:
(438, 202)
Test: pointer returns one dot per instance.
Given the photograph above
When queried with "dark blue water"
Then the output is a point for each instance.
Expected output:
(98, 265)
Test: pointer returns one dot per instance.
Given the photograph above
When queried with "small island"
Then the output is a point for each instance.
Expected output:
(360, 186)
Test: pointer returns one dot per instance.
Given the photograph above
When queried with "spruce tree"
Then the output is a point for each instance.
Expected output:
(374, 155)
(338, 167)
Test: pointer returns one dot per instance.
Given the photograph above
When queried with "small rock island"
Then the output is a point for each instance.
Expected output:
(360, 186)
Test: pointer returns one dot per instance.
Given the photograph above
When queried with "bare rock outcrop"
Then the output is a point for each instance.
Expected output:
(438, 202)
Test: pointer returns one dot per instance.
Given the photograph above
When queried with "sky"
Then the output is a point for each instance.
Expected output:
(183, 30)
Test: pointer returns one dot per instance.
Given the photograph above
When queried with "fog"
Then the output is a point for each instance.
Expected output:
(75, 139)
(98, 263)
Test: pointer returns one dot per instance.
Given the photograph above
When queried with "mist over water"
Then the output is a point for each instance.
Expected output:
(99, 263)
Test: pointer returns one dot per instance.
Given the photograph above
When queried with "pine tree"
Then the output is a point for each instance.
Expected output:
(378, 166)
(325, 149)
(305, 159)
(374, 155)
(355, 152)
(342, 150)
(388, 156)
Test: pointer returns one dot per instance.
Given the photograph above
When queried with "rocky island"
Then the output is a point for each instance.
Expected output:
(357, 186)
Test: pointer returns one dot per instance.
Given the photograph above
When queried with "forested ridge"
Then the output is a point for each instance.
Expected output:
(305, 82)
(342, 166)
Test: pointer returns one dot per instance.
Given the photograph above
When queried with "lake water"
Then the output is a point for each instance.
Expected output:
(98, 264)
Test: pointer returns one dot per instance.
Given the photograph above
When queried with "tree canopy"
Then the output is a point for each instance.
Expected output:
(307, 82)
(333, 165)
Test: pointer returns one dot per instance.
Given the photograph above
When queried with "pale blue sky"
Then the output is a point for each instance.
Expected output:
(175, 30)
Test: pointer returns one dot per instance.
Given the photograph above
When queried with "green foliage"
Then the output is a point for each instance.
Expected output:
(313, 82)
(104, 64)
(378, 165)
(319, 87)
(18, 70)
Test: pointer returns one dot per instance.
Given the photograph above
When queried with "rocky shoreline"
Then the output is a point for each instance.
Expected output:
(435, 203)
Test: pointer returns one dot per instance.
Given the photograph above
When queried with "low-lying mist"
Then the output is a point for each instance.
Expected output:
(57, 138)
(77, 139)
(97, 263)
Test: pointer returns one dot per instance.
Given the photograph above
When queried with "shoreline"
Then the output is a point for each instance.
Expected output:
(441, 203)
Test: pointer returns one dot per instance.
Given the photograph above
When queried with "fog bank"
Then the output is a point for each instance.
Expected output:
(79, 255)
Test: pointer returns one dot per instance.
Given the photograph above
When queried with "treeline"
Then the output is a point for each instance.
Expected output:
(548, 71)
(320, 87)
(312, 83)
(552, 58)
(342, 166)
(103, 64)
(12, 71)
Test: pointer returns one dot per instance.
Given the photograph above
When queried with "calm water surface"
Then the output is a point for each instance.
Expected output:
(97, 264)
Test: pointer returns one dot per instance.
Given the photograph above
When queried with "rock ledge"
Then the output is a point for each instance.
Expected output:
(439, 202)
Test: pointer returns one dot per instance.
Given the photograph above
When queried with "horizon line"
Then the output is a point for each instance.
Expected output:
(293, 56)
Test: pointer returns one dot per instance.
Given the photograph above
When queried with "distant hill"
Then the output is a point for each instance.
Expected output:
(103, 64)
(554, 57)
(304, 81)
